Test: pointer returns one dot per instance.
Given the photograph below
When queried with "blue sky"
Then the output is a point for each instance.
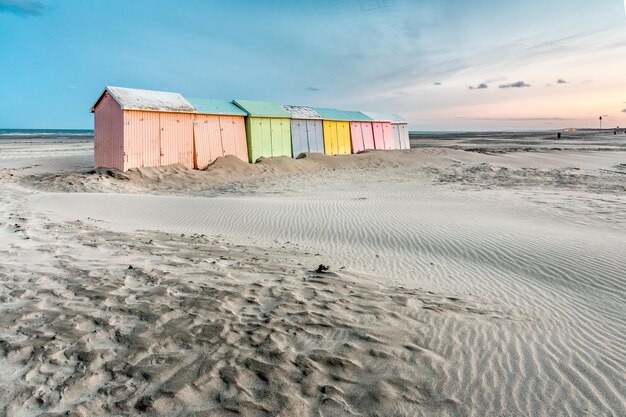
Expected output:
(442, 64)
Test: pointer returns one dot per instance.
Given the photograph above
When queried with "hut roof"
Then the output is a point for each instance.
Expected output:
(342, 115)
(262, 108)
(302, 112)
(382, 117)
(219, 107)
(147, 100)
(357, 116)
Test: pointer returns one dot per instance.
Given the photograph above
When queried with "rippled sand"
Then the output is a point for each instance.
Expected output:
(461, 283)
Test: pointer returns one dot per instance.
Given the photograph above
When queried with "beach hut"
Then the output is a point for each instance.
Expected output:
(382, 131)
(137, 128)
(361, 133)
(306, 130)
(361, 136)
(337, 130)
(268, 129)
(383, 135)
(399, 128)
(218, 130)
(401, 132)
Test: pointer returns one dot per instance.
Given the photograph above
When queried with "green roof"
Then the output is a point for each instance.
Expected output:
(342, 115)
(357, 116)
(212, 106)
(262, 108)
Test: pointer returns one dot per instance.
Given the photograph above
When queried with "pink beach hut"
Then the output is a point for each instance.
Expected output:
(362, 136)
(383, 138)
(137, 128)
(393, 127)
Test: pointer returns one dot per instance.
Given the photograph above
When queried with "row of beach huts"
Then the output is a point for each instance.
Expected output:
(140, 128)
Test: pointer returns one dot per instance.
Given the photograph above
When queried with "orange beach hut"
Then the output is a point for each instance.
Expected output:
(219, 129)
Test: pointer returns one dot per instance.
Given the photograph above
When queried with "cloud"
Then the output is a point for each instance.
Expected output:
(559, 81)
(519, 84)
(312, 89)
(495, 80)
(480, 86)
(436, 83)
(586, 82)
(23, 8)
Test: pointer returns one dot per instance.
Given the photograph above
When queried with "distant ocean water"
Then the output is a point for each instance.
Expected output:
(43, 134)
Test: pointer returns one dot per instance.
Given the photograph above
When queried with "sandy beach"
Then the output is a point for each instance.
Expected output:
(473, 275)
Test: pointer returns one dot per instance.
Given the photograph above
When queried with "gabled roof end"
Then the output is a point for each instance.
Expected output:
(147, 100)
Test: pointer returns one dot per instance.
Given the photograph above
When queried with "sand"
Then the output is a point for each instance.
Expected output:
(487, 282)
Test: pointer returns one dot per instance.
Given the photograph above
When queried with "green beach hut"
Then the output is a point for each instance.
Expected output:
(268, 129)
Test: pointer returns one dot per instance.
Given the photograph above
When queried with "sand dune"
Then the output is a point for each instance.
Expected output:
(461, 284)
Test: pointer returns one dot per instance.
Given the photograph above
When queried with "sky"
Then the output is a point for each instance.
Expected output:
(441, 64)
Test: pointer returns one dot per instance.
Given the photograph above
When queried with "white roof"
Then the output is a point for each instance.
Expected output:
(302, 112)
(382, 117)
(136, 99)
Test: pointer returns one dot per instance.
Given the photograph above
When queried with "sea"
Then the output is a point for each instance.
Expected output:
(26, 135)
(589, 139)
